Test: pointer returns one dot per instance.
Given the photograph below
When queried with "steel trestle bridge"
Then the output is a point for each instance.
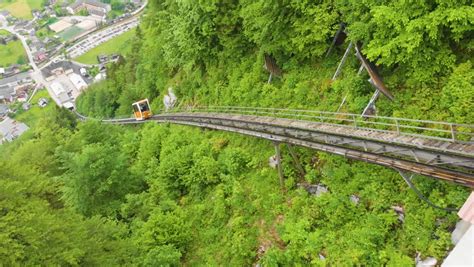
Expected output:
(439, 150)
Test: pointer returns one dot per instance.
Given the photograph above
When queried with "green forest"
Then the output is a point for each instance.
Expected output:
(91, 194)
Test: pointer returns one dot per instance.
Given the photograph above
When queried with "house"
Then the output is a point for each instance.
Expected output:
(56, 69)
(102, 68)
(37, 46)
(42, 102)
(6, 90)
(4, 13)
(83, 71)
(40, 56)
(23, 88)
(37, 14)
(102, 58)
(26, 106)
(13, 69)
(22, 97)
(94, 7)
(4, 110)
(11, 129)
(99, 77)
(115, 58)
(69, 105)
(5, 39)
(8, 85)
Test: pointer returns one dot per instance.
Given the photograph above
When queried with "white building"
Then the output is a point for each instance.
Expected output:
(94, 7)
(77, 81)
(60, 92)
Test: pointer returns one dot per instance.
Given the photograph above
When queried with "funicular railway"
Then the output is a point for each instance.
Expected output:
(439, 150)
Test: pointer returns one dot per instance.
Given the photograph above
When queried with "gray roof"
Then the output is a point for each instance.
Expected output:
(15, 78)
(6, 91)
(90, 2)
(96, 12)
(11, 129)
(61, 64)
(3, 109)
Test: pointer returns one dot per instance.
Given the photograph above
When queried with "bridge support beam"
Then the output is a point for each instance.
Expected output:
(408, 179)
(296, 160)
(279, 165)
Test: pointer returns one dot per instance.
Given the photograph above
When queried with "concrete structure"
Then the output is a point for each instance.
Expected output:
(463, 253)
(467, 211)
(11, 129)
(463, 237)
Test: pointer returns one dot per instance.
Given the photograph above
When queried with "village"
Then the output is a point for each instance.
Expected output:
(43, 53)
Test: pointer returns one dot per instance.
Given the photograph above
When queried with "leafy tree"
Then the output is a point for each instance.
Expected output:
(458, 93)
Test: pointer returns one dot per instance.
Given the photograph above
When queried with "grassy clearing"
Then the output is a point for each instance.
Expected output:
(12, 53)
(119, 44)
(4, 32)
(33, 115)
(20, 8)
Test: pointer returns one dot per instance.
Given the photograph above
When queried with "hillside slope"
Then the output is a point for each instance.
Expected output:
(173, 195)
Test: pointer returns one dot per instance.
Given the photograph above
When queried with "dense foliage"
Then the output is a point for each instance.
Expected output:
(92, 194)
(83, 193)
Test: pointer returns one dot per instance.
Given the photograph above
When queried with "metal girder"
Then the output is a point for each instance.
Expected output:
(456, 168)
(296, 160)
(373, 146)
(408, 179)
(291, 136)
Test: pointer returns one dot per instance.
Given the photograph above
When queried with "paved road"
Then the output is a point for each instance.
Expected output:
(36, 74)
(113, 31)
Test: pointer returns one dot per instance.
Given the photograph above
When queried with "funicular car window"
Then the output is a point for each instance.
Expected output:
(143, 107)
(135, 108)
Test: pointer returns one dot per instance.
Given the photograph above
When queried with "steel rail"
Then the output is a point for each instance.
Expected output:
(461, 178)
(263, 127)
(299, 111)
(356, 120)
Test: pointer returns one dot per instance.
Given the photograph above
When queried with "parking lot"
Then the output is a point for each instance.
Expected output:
(100, 37)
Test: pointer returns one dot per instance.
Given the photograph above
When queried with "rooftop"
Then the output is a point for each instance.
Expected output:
(61, 64)
(89, 2)
(11, 129)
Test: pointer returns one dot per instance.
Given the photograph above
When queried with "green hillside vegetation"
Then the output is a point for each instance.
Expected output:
(12, 53)
(167, 195)
(21, 8)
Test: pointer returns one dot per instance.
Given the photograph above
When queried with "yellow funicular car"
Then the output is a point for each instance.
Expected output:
(141, 110)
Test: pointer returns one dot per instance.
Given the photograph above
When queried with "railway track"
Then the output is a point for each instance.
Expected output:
(419, 151)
